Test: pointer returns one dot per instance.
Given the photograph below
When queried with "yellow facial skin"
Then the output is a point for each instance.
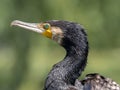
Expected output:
(47, 28)
(47, 33)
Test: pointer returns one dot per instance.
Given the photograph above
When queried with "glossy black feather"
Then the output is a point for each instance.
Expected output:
(64, 74)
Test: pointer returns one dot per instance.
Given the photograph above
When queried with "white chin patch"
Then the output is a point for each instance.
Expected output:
(57, 38)
(57, 34)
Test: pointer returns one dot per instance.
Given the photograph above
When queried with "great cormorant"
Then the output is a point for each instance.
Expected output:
(64, 75)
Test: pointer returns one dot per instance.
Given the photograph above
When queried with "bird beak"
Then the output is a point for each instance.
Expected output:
(29, 26)
(36, 27)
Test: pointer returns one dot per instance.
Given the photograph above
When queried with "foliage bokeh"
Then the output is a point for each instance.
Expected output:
(27, 57)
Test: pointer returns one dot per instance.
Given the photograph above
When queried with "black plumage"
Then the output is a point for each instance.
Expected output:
(76, 45)
(64, 75)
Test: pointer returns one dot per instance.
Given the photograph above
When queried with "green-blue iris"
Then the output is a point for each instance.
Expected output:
(46, 26)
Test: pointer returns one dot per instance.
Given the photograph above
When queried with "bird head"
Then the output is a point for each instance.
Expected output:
(44, 28)
(63, 32)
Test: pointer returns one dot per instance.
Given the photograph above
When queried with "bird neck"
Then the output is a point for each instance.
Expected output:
(68, 70)
(74, 62)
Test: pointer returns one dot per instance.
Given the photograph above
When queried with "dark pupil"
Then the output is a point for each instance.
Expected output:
(46, 26)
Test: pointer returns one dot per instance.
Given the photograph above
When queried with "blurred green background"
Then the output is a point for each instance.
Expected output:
(26, 57)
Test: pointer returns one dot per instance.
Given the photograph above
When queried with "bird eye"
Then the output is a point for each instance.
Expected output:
(46, 26)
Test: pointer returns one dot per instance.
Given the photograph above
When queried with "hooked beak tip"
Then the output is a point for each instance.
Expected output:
(15, 22)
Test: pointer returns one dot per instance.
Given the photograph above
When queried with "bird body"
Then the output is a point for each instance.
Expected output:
(64, 75)
(99, 82)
